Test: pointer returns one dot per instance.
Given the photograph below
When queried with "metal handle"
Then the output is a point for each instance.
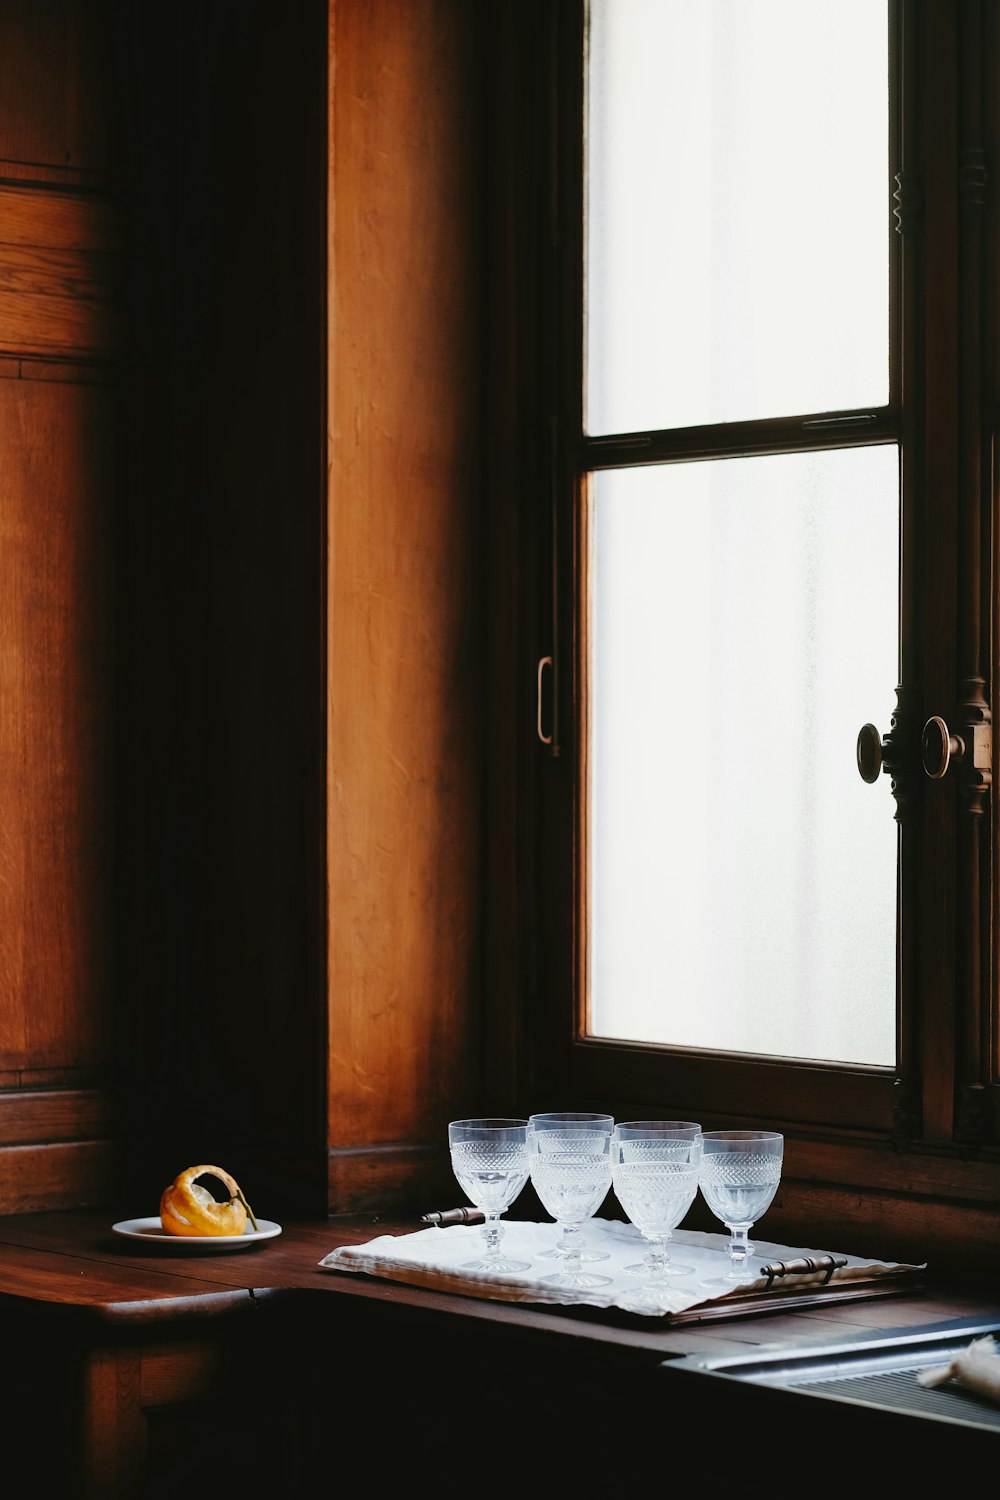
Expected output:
(938, 748)
(544, 661)
(870, 756)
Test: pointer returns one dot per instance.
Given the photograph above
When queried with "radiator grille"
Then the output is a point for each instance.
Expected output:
(899, 1390)
(876, 1369)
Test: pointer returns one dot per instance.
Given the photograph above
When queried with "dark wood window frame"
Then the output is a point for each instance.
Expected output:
(897, 1161)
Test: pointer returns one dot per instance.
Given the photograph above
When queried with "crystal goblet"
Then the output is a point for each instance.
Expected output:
(566, 1242)
(490, 1161)
(569, 1161)
(739, 1176)
(654, 1170)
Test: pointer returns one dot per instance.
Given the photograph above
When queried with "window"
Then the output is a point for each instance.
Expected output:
(758, 433)
(728, 593)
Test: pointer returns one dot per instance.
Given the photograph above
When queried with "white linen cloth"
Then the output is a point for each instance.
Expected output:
(433, 1258)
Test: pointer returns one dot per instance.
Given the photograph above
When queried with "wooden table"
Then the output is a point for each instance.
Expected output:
(139, 1371)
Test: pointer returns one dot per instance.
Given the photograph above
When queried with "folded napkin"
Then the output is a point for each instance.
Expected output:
(435, 1257)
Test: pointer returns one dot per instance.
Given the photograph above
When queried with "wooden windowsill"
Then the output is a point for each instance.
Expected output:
(72, 1260)
(151, 1330)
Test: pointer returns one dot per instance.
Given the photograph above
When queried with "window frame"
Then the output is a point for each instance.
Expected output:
(849, 1127)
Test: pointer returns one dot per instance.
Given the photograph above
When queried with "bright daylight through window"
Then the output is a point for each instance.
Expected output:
(743, 609)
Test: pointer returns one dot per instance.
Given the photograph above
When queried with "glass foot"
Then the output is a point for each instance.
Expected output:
(639, 1268)
(500, 1265)
(585, 1255)
(646, 1299)
(727, 1283)
(582, 1280)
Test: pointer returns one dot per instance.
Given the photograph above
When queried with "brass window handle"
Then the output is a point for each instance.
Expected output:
(939, 748)
(870, 752)
(973, 748)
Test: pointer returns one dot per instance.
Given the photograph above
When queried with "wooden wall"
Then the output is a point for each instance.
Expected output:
(61, 333)
(242, 629)
(407, 625)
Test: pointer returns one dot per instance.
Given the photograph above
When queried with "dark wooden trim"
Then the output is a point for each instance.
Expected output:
(937, 456)
(908, 786)
(974, 689)
(858, 429)
(725, 1086)
(61, 1175)
(47, 1115)
(59, 273)
(895, 1224)
(402, 1175)
(22, 174)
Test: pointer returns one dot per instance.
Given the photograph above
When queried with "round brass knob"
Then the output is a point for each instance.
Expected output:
(869, 752)
(938, 748)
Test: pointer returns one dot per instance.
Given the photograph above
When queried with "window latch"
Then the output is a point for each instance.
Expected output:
(874, 753)
(543, 662)
(939, 747)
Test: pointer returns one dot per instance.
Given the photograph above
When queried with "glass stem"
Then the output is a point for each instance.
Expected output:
(740, 1248)
(656, 1256)
(571, 1244)
(492, 1233)
(566, 1241)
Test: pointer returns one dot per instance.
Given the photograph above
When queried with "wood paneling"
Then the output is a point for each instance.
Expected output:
(40, 1115)
(56, 83)
(406, 625)
(39, 1177)
(55, 724)
(58, 275)
(163, 910)
(64, 222)
(370, 1177)
(59, 323)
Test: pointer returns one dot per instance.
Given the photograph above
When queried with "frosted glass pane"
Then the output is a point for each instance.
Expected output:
(743, 876)
(737, 210)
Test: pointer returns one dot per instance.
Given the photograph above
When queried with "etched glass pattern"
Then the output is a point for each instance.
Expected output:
(490, 1176)
(740, 1186)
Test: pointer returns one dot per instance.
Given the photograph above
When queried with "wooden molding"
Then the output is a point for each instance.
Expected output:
(385, 1178)
(76, 1174)
(58, 274)
(34, 1116)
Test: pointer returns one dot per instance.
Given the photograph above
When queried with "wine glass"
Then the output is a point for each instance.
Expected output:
(490, 1160)
(563, 1245)
(654, 1170)
(739, 1176)
(569, 1161)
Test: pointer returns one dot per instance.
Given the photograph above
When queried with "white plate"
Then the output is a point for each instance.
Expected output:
(151, 1231)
